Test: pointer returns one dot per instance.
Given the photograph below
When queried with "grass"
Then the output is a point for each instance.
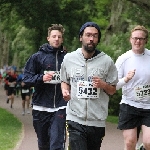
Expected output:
(10, 130)
(112, 119)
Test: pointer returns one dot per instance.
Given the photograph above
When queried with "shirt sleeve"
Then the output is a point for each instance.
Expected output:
(120, 84)
(63, 73)
(120, 68)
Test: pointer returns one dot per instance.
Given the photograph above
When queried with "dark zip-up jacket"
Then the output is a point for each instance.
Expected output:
(46, 59)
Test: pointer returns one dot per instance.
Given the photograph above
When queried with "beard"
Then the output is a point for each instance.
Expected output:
(90, 48)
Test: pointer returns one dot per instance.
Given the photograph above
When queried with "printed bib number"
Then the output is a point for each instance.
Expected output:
(55, 78)
(85, 89)
(141, 92)
(25, 91)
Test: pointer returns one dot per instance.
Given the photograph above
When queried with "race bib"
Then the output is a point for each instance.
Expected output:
(85, 89)
(25, 91)
(55, 78)
(141, 92)
(11, 85)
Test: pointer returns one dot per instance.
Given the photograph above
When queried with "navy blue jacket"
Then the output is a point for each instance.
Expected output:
(46, 59)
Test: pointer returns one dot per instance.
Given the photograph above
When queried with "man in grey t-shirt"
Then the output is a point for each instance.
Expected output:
(88, 76)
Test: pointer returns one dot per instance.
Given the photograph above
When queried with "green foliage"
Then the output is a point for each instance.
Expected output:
(71, 13)
(118, 45)
(112, 119)
(102, 12)
(23, 44)
(138, 15)
(114, 103)
(10, 129)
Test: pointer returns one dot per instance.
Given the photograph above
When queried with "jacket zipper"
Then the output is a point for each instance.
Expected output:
(86, 98)
(56, 84)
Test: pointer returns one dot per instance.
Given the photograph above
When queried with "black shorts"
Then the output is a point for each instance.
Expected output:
(131, 117)
(6, 86)
(11, 90)
(82, 137)
(23, 95)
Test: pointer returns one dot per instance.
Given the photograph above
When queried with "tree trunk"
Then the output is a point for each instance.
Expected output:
(4, 49)
(117, 24)
(15, 60)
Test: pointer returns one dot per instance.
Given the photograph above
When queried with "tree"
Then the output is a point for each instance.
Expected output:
(144, 3)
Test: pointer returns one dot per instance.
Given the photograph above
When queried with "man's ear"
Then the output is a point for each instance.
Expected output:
(47, 38)
(146, 41)
(80, 38)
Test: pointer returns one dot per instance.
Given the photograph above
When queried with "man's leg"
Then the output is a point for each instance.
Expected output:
(77, 136)
(129, 120)
(58, 130)
(95, 136)
(146, 137)
(41, 123)
(130, 138)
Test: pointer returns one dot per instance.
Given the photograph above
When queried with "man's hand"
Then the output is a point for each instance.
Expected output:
(129, 75)
(66, 95)
(98, 83)
(48, 76)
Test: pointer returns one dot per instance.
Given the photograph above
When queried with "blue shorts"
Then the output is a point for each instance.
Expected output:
(131, 117)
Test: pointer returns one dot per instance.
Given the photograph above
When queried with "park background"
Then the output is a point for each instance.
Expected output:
(24, 24)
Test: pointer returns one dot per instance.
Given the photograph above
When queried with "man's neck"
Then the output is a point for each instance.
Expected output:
(87, 55)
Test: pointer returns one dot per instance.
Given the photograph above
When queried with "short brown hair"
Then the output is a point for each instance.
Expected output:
(58, 27)
(142, 28)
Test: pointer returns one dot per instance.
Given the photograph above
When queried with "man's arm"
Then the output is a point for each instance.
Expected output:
(32, 72)
(98, 83)
(125, 79)
(110, 89)
(65, 91)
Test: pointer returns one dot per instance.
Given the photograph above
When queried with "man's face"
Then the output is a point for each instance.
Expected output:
(55, 39)
(138, 41)
(89, 39)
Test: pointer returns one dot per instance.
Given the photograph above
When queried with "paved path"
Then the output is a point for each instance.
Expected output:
(28, 141)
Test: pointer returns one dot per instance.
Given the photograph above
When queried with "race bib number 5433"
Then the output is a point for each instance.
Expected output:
(85, 89)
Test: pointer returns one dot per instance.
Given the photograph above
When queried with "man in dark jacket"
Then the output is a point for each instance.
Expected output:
(42, 71)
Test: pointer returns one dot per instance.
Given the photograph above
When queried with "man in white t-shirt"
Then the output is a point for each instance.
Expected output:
(134, 79)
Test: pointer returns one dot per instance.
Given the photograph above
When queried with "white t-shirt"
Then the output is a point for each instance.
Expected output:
(137, 91)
